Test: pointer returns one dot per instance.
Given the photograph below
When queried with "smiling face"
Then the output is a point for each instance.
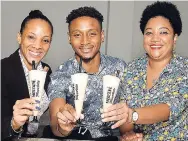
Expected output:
(159, 38)
(34, 41)
(85, 36)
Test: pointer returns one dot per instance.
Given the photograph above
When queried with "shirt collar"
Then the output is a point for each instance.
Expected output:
(169, 66)
(101, 66)
(39, 67)
(172, 63)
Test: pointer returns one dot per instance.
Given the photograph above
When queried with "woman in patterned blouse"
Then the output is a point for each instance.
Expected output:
(156, 84)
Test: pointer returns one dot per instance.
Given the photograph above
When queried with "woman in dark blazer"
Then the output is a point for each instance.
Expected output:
(17, 107)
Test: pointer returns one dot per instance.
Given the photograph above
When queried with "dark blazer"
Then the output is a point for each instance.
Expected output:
(13, 87)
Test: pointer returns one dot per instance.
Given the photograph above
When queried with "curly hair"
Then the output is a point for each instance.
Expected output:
(164, 9)
(85, 11)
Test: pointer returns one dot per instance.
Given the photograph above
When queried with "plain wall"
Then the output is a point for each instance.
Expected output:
(121, 26)
(120, 29)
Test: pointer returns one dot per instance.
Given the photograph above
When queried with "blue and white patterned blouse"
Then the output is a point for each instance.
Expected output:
(171, 88)
(60, 86)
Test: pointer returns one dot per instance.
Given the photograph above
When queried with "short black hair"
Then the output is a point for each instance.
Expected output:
(164, 9)
(35, 14)
(85, 11)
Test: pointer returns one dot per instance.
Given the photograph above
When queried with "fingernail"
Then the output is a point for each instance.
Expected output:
(102, 115)
(103, 120)
(37, 101)
(101, 110)
(82, 116)
(38, 108)
(112, 127)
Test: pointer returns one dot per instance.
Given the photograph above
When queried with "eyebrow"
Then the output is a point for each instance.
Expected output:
(77, 30)
(46, 37)
(147, 29)
(159, 28)
(36, 35)
(164, 28)
(32, 33)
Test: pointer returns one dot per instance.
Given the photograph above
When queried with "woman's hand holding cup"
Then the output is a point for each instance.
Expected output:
(118, 112)
(21, 112)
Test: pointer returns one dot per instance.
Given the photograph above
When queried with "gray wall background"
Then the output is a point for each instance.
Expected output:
(121, 26)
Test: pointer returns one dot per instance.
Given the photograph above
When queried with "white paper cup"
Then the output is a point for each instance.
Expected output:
(110, 87)
(37, 80)
(79, 83)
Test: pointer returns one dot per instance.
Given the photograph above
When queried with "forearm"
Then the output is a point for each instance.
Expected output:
(54, 126)
(58, 131)
(54, 108)
(153, 114)
(147, 115)
(62, 132)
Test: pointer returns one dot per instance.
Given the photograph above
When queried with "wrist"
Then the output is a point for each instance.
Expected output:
(15, 127)
(130, 115)
(134, 116)
(62, 132)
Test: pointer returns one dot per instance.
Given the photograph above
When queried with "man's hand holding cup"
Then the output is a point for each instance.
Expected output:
(67, 118)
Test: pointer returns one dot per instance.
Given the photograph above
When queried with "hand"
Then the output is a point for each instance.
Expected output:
(46, 69)
(21, 112)
(67, 118)
(132, 136)
(118, 112)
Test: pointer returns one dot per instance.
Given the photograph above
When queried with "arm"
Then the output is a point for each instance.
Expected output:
(62, 117)
(147, 115)
(6, 113)
(153, 114)
(14, 115)
(54, 109)
(9, 97)
(15, 112)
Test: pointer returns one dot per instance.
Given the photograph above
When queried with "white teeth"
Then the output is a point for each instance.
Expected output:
(155, 46)
(86, 49)
(34, 53)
